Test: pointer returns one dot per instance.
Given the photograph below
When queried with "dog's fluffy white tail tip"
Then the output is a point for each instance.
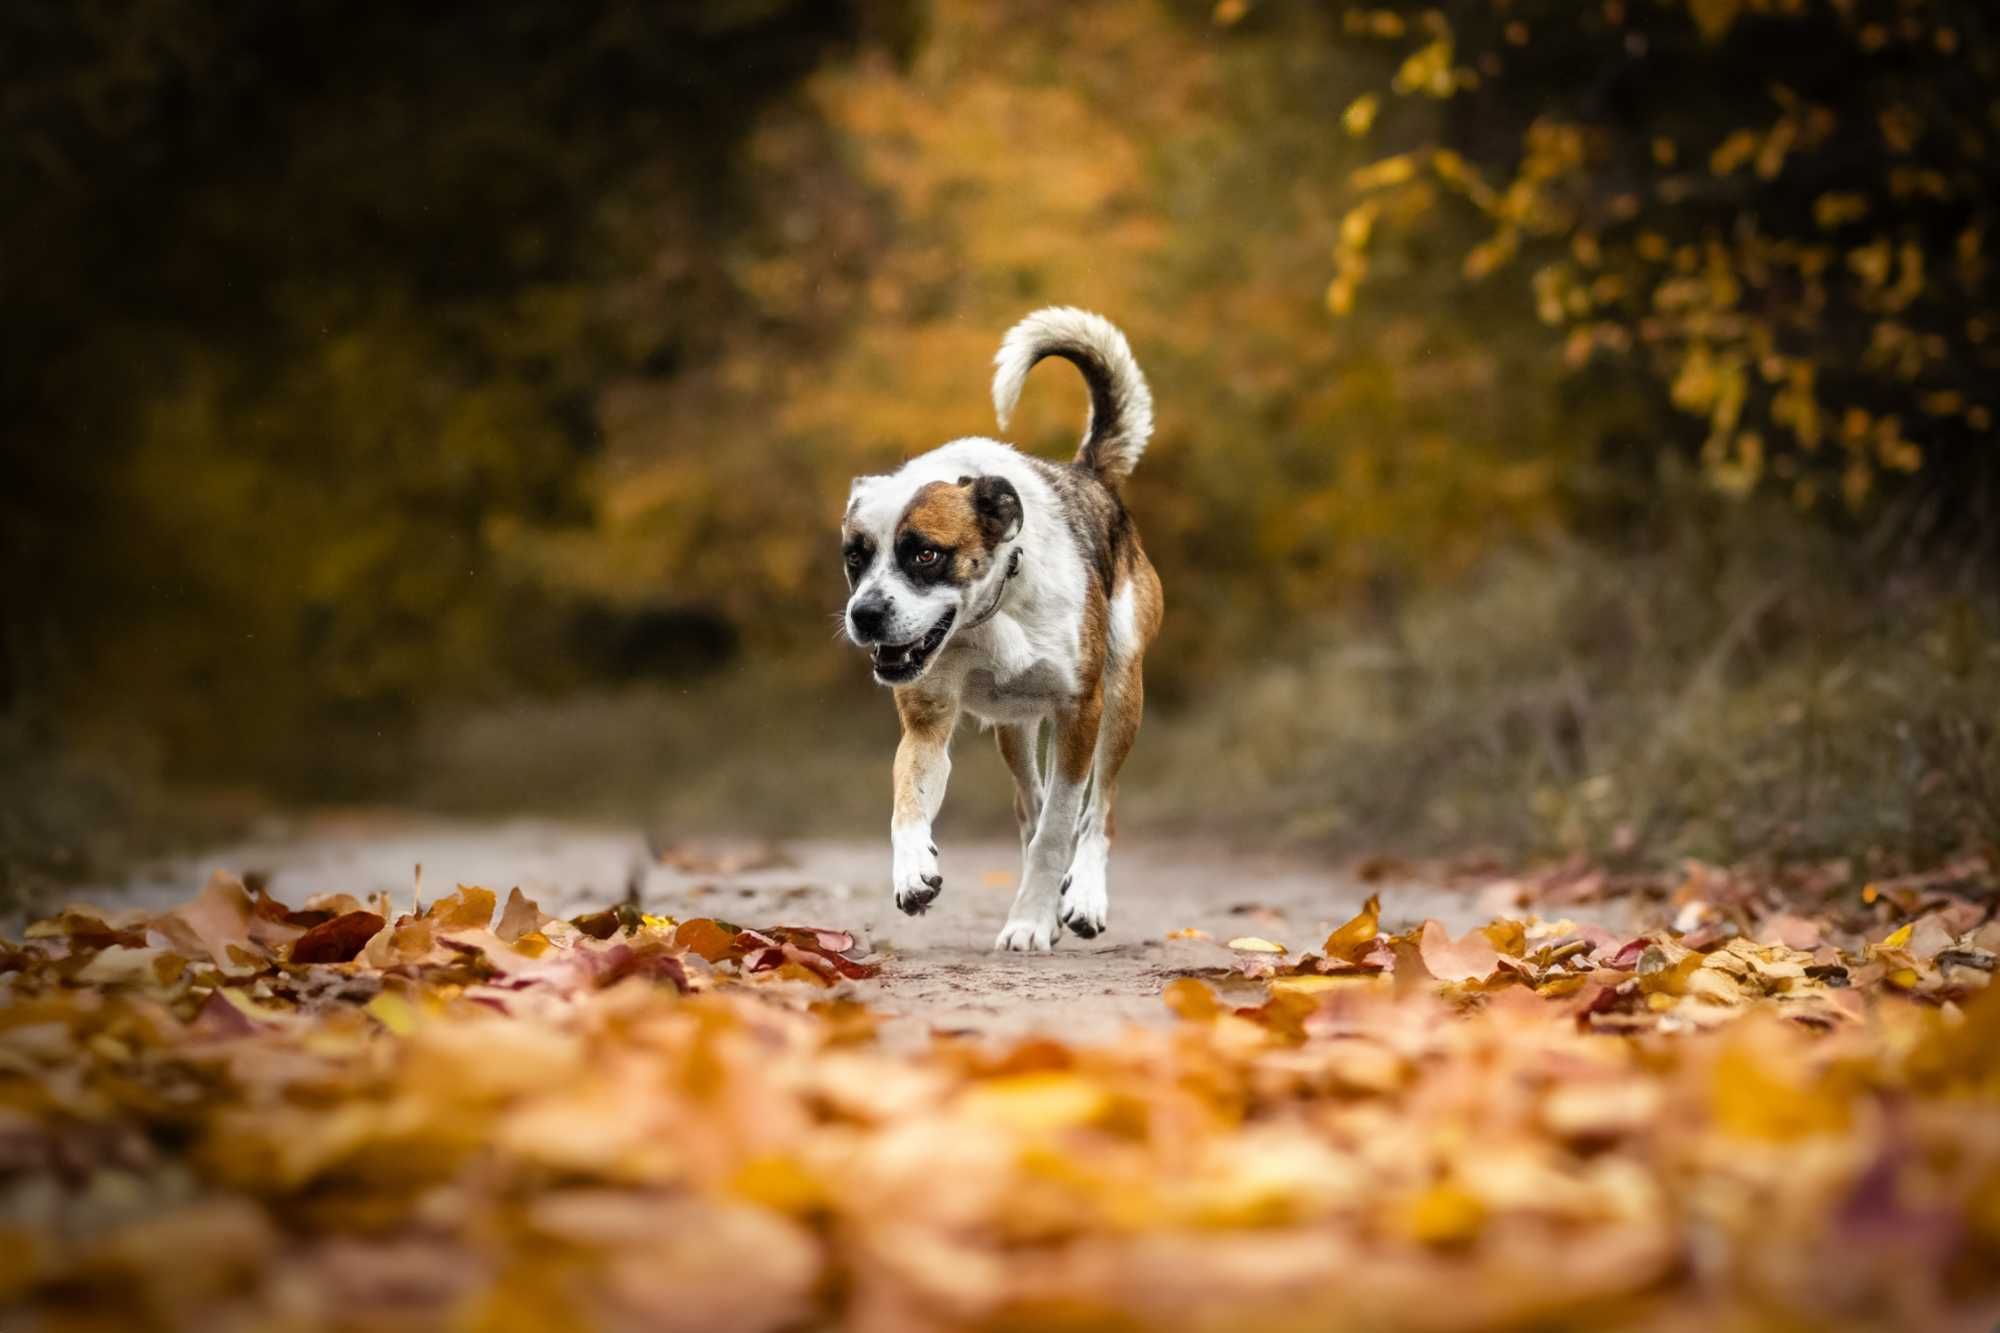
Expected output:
(1121, 406)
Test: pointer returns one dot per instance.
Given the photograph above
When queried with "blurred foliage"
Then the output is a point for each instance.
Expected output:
(1727, 680)
(1780, 209)
(1129, 159)
(362, 358)
(309, 306)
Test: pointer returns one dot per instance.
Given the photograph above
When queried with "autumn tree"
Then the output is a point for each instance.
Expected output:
(308, 307)
(1779, 211)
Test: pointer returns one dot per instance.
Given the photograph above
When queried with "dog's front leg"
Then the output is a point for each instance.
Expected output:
(923, 766)
(1031, 922)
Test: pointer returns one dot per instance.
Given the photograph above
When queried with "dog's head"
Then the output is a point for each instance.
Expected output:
(922, 557)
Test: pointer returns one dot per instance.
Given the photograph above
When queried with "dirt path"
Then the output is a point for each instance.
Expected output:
(941, 973)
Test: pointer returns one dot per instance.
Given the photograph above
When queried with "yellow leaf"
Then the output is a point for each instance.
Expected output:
(251, 1009)
(1340, 295)
(470, 908)
(1357, 225)
(1714, 18)
(1733, 152)
(1507, 937)
(1191, 1000)
(1834, 209)
(1428, 70)
(1898, 939)
(1389, 171)
(393, 1012)
(1313, 983)
(1490, 254)
(1036, 1103)
(779, 1183)
(1350, 941)
(1444, 1214)
(1750, 1101)
(1252, 944)
(1359, 117)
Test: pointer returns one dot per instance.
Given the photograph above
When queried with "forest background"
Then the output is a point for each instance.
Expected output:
(1575, 422)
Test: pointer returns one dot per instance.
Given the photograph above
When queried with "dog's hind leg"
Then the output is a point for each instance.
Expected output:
(1031, 921)
(1086, 889)
(923, 765)
(1020, 743)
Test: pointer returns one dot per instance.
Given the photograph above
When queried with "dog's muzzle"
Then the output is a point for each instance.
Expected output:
(901, 663)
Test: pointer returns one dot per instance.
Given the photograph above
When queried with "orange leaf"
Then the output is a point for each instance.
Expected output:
(1470, 959)
(468, 909)
(706, 938)
(1191, 1000)
(1352, 940)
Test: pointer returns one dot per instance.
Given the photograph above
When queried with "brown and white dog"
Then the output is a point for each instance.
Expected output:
(985, 581)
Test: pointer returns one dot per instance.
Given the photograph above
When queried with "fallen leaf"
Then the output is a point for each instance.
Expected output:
(217, 920)
(1470, 958)
(1350, 941)
(393, 1012)
(520, 917)
(1191, 1000)
(468, 908)
(340, 940)
(1035, 1103)
(1444, 1214)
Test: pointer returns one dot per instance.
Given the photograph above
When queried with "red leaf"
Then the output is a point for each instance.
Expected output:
(338, 940)
(648, 960)
(598, 925)
(1627, 956)
(815, 938)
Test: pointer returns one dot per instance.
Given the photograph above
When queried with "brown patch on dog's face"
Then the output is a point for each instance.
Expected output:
(940, 516)
(950, 529)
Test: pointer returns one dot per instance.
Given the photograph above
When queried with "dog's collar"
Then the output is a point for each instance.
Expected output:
(1013, 568)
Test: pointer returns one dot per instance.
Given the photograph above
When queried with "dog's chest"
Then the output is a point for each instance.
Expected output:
(1022, 696)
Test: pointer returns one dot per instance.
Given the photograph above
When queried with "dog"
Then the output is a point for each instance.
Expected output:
(985, 581)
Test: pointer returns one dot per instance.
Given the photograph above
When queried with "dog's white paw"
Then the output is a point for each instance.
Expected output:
(915, 873)
(1086, 901)
(1027, 936)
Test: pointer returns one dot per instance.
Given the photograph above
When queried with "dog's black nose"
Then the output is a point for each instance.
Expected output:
(869, 618)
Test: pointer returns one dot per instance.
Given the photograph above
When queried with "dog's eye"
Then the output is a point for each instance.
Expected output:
(855, 559)
(925, 557)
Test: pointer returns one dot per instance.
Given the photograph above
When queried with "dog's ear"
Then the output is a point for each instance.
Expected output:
(997, 506)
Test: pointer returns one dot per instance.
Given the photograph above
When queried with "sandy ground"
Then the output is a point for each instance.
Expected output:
(939, 972)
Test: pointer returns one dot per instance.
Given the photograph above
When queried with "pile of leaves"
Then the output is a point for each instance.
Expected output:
(235, 1114)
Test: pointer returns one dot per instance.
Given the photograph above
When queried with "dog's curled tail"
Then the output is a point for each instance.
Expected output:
(1121, 406)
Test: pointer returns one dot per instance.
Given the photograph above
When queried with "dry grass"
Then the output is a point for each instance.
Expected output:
(1747, 684)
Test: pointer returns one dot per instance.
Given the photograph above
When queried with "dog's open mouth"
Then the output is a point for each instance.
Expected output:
(897, 663)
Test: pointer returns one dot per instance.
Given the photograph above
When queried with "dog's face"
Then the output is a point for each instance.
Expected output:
(922, 558)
